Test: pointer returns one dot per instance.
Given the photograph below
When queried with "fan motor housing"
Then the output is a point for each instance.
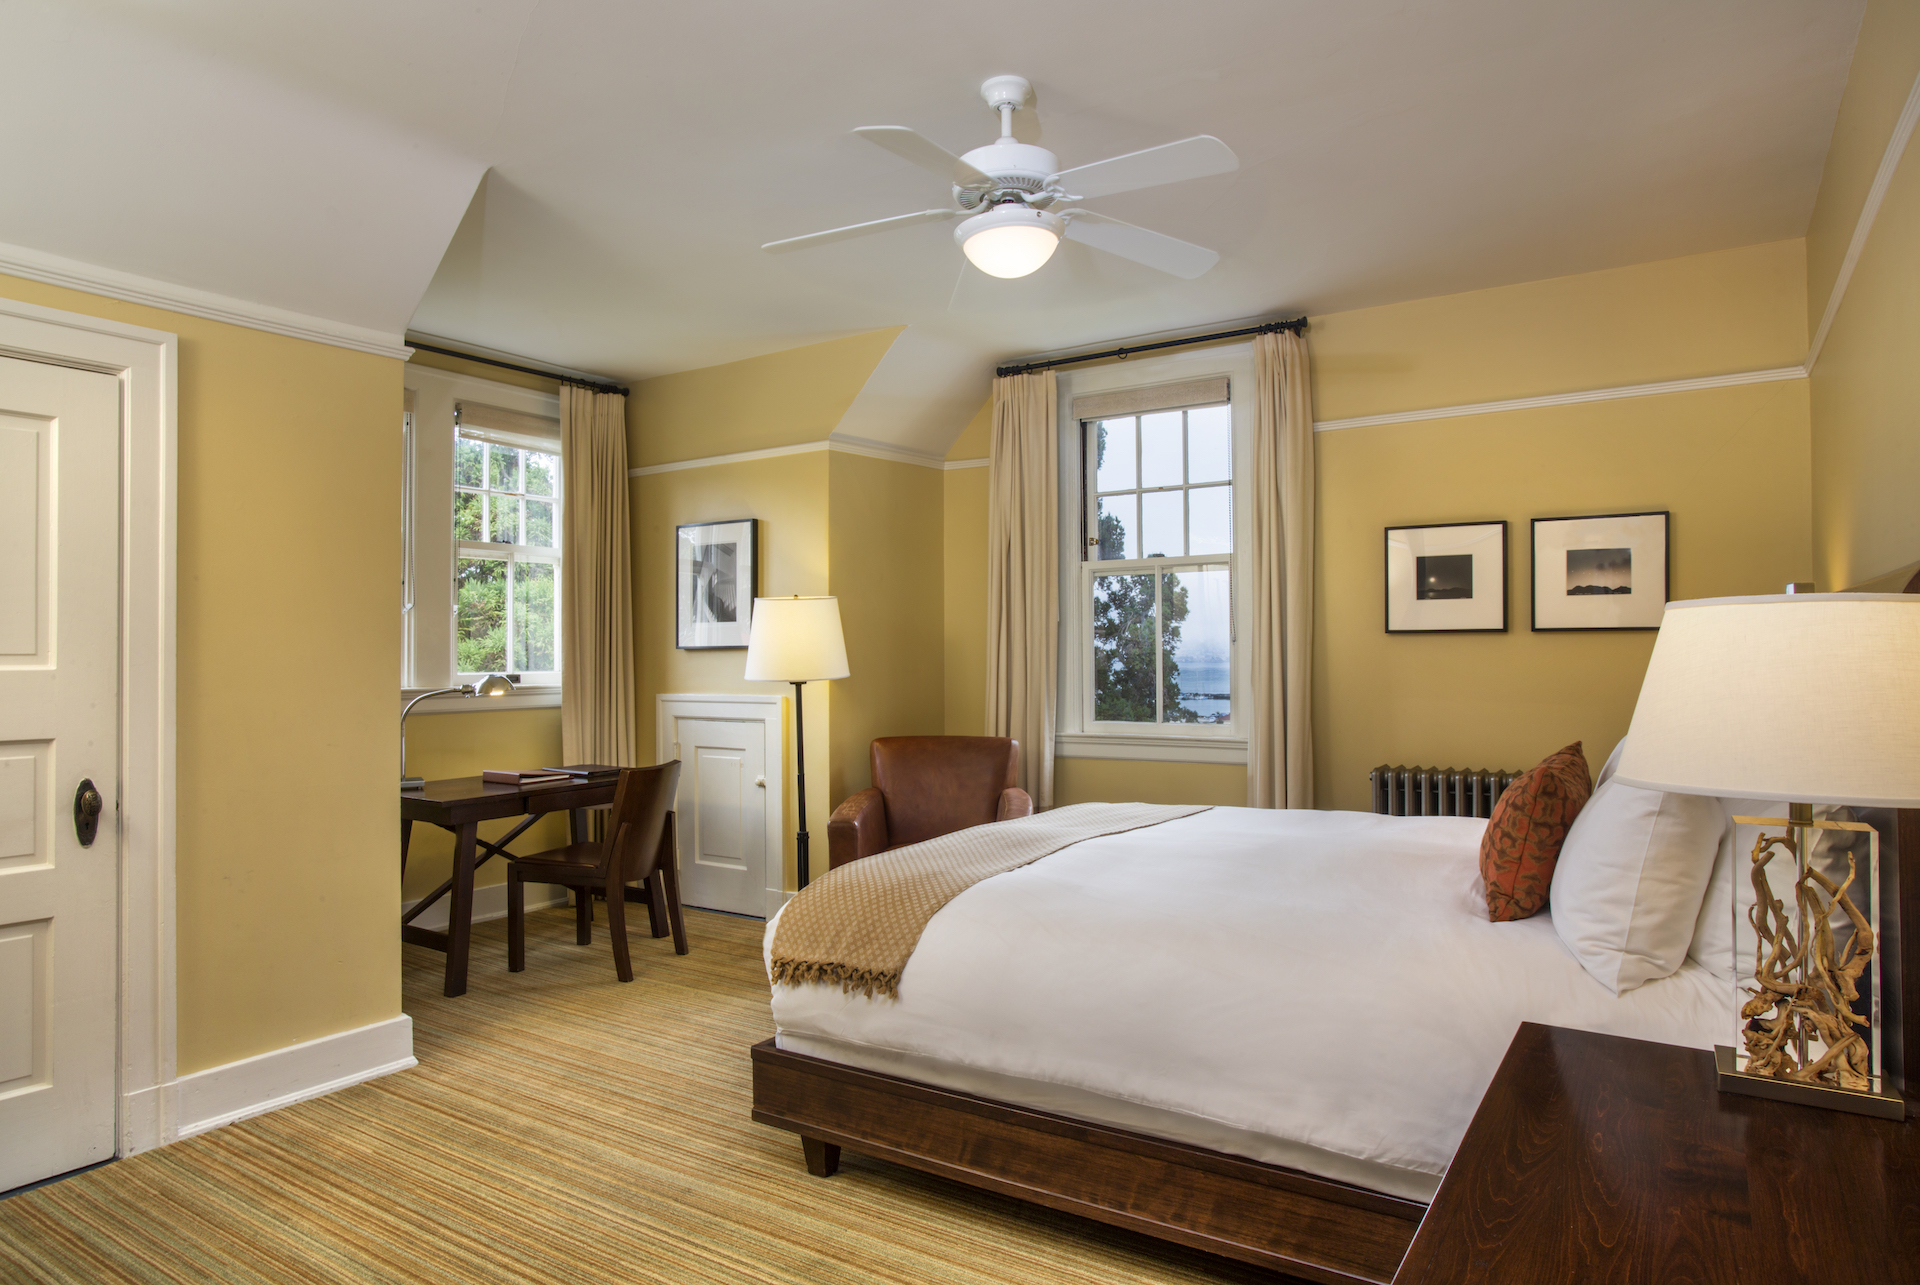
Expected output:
(1021, 166)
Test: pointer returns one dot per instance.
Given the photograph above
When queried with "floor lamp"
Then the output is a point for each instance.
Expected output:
(797, 640)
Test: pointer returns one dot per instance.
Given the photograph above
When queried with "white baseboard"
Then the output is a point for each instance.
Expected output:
(255, 1085)
(488, 903)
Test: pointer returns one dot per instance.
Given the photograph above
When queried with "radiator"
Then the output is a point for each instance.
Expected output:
(1437, 791)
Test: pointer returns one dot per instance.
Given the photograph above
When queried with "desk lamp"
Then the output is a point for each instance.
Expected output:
(491, 685)
(797, 640)
(1803, 699)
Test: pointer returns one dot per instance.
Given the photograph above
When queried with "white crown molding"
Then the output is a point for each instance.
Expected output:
(1869, 211)
(850, 445)
(737, 457)
(53, 270)
(845, 445)
(1568, 399)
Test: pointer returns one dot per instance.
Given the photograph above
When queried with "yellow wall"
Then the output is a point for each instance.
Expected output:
(964, 574)
(777, 400)
(884, 565)
(1865, 388)
(1731, 464)
(285, 922)
(1125, 781)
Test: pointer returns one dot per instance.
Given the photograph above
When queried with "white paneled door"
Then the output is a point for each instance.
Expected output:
(59, 714)
(723, 814)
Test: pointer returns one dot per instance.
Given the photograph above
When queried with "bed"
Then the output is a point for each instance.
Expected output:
(1104, 1030)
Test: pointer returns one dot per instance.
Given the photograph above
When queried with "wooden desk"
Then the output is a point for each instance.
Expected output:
(460, 805)
(1596, 1158)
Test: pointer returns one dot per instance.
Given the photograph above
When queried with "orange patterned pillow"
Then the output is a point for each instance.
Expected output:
(1524, 835)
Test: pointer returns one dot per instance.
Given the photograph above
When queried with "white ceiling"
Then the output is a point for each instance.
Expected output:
(320, 157)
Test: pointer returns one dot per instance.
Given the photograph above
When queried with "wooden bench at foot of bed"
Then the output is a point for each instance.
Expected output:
(1280, 1218)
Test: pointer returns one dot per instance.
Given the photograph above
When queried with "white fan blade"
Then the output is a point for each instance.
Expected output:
(1194, 157)
(925, 153)
(1154, 249)
(858, 229)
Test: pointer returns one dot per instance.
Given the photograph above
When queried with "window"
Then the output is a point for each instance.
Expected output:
(1150, 614)
(1159, 493)
(482, 539)
(506, 531)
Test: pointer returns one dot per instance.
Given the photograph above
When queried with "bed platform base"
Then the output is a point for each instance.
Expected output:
(1280, 1218)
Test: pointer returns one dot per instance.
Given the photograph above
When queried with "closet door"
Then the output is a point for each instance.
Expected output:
(723, 814)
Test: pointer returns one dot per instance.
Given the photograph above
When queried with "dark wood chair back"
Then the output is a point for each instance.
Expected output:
(637, 822)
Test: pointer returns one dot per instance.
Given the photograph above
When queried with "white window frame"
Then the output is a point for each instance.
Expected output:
(1079, 735)
(428, 601)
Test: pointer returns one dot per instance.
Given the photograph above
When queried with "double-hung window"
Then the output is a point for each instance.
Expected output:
(483, 520)
(506, 531)
(1150, 621)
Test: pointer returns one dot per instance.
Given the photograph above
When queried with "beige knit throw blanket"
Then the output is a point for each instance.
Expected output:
(857, 925)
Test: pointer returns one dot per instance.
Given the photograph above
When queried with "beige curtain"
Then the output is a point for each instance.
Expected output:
(1280, 740)
(1023, 574)
(596, 581)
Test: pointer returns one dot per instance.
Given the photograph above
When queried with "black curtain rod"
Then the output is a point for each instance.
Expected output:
(1265, 328)
(585, 381)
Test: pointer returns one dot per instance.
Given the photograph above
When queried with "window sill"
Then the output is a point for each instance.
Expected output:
(520, 698)
(1152, 749)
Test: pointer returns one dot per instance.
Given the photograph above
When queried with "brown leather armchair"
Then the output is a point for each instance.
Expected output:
(924, 786)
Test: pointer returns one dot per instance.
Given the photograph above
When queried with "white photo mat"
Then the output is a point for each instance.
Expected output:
(716, 576)
(1447, 579)
(1602, 572)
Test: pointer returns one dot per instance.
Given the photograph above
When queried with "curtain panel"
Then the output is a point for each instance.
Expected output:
(1023, 574)
(596, 582)
(1280, 739)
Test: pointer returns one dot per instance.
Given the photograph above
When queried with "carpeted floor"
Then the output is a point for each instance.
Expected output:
(560, 1127)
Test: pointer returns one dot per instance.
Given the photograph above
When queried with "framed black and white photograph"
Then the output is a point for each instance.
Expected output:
(1447, 579)
(1605, 572)
(717, 575)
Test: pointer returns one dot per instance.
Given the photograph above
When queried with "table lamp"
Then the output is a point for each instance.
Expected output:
(491, 685)
(1802, 699)
(797, 640)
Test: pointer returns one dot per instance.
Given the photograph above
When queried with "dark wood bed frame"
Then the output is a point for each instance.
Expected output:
(1310, 1227)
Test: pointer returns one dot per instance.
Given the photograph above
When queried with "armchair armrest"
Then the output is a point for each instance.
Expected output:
(1014, 802)
(857, 828)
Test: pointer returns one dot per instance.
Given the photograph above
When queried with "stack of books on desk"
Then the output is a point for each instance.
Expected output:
(501, 776)
(594, 772)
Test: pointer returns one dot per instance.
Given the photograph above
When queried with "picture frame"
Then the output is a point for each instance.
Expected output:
(1447, 578)
(1606, 571)
(716, 578)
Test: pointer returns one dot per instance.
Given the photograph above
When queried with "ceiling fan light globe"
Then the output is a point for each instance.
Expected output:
(1010, 241)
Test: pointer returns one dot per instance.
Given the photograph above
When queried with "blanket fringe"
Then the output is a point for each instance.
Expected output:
(864, 981)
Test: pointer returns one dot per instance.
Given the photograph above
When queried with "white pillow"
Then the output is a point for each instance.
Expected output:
(1629, 882)
(1612, 764)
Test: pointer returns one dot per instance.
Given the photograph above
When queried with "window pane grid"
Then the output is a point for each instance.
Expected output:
(506, 514)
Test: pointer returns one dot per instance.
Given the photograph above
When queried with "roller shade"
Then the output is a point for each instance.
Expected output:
(1140, 401)
(478, 422)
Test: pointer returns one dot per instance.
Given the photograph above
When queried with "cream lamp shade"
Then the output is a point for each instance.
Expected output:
(1798, 698)
(796, 640)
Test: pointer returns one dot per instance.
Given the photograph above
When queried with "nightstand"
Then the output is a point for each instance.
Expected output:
(1596, 1158)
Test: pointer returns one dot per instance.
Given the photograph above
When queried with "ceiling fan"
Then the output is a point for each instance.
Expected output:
(1018, 202)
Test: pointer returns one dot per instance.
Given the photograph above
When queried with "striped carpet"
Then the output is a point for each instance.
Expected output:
(560, 1127)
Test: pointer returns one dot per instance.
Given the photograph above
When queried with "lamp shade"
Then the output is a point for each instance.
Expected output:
(1800, 698)
(1010, 240)
(796, 640)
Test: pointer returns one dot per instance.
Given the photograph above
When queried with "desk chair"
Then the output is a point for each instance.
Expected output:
(639, 845)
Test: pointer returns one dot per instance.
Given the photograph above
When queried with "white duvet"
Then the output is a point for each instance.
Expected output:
(1315, 989)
